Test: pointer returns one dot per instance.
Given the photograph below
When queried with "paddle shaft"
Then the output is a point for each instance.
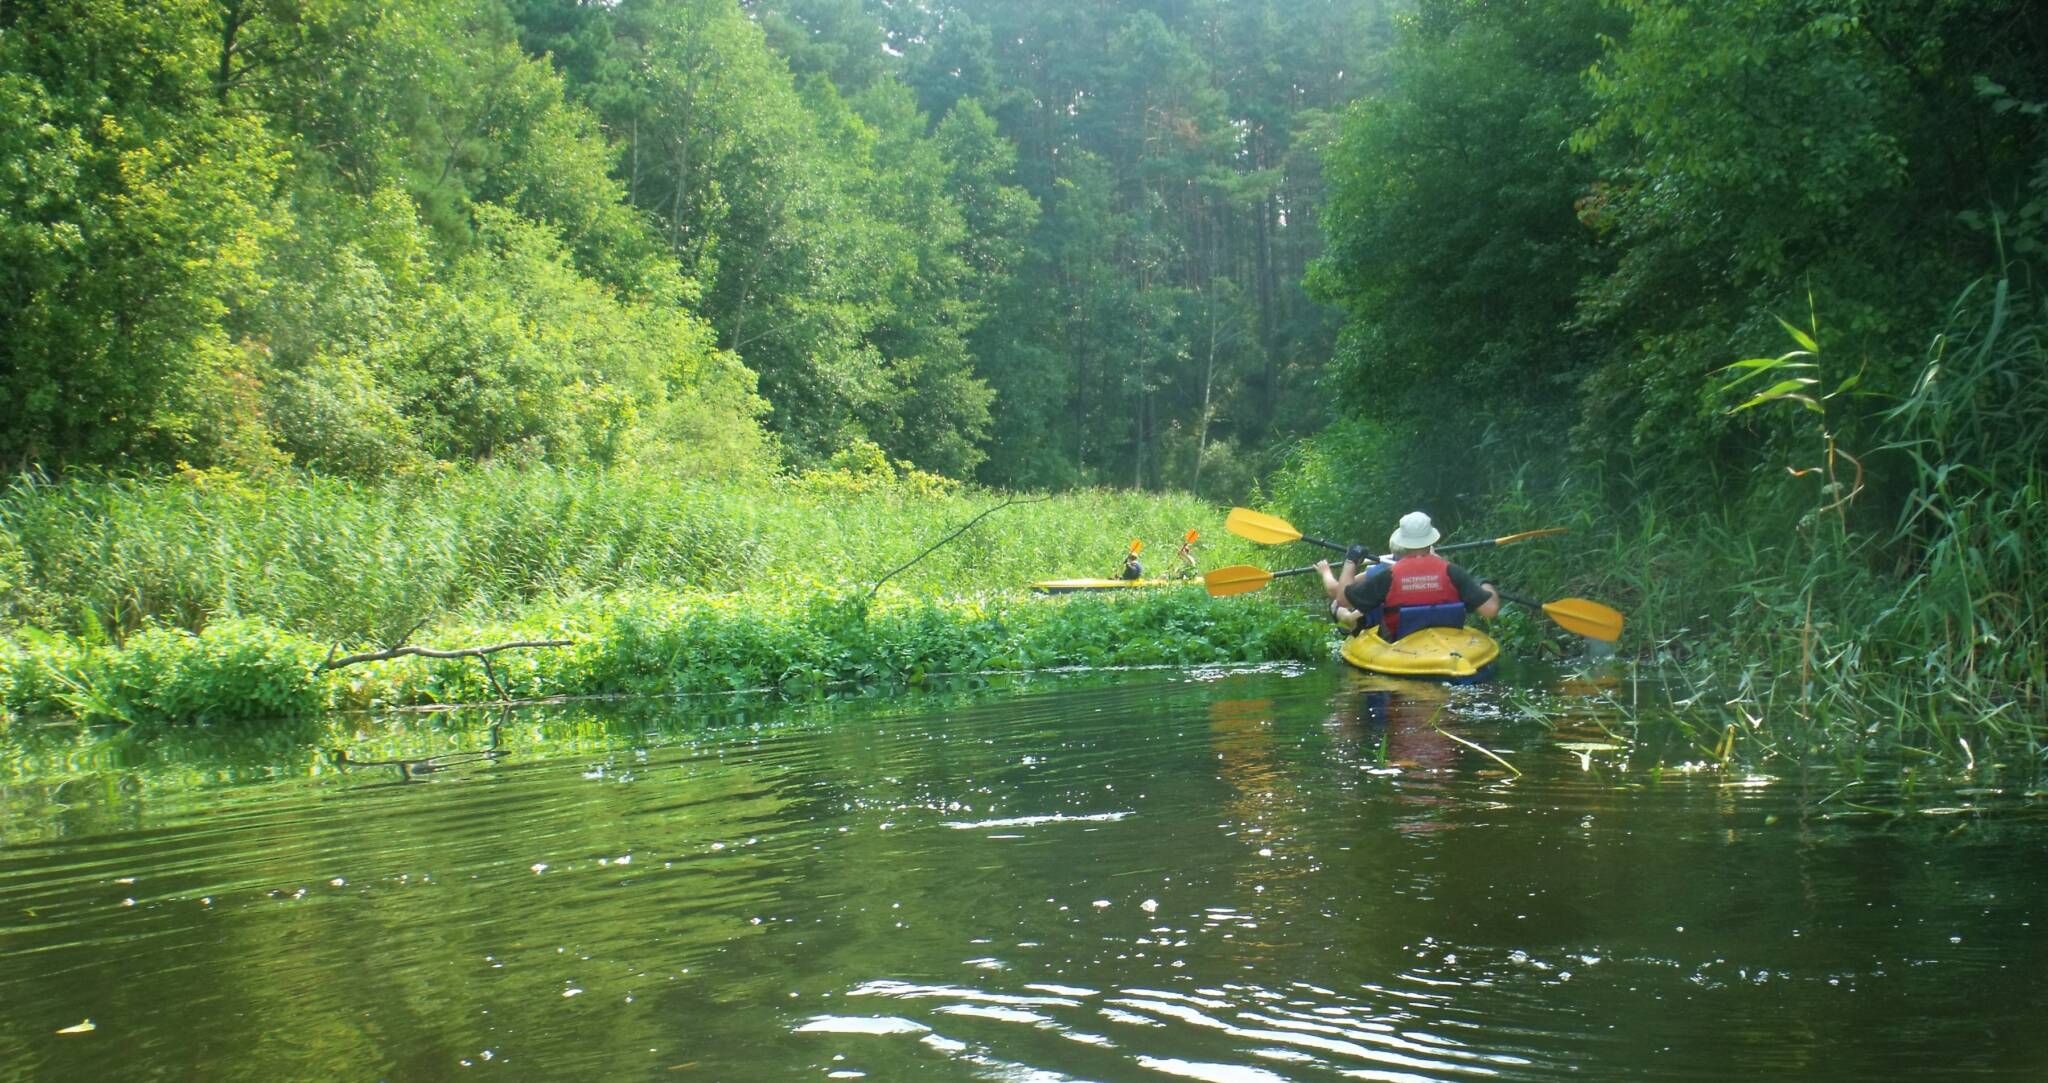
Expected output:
(1334, 547)
(1466, 545)
(1516, 598)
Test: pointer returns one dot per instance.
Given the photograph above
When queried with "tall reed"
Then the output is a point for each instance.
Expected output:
(352, 562)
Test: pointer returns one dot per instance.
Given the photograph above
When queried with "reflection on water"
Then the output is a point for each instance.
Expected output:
(1279, 875)
(417, 768)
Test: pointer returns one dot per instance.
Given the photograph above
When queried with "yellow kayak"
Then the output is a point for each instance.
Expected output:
(1443, 653)
(1072, 586)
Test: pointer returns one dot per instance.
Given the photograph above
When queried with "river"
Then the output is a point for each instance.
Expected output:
(1242, 876)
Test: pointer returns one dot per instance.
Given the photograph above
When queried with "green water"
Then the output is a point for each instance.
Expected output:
(1226, 876)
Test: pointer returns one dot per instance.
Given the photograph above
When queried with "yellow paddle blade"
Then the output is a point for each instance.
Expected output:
(1527, 534)
(1260, 527)
(1235, 579)
(1581, 617)
(1191, 536)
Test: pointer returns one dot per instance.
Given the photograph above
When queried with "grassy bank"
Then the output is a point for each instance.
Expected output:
(343, 561)
(207, 598)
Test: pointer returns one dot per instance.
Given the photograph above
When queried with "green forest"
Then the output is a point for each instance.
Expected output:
(1038, 245)
(1745, 292)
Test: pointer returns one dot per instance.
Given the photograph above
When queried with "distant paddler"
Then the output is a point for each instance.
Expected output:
(1134, 569)
(1184, 566)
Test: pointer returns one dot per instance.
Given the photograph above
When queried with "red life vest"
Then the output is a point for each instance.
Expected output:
(1423, 579)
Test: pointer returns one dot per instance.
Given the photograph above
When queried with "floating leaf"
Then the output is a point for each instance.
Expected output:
(84, 1027)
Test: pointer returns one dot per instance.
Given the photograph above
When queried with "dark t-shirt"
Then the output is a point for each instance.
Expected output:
(1369, 592)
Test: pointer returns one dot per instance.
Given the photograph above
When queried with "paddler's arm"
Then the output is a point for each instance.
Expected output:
(1331, 585)
(1478, 595)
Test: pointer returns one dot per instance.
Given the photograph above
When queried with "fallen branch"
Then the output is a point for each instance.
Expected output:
(429, 652)
(481, 654)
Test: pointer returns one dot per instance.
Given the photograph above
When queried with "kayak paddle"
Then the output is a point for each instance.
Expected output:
(1269, 529)
(1243, 579)
(1509, 539)
(1575, 615)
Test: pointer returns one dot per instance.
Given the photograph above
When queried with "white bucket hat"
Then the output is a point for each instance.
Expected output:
(1416, 532)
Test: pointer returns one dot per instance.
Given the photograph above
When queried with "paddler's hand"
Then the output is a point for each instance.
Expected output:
(1357, 555)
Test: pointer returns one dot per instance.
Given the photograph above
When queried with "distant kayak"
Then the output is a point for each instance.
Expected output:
(1454, 654)
(1075, 586)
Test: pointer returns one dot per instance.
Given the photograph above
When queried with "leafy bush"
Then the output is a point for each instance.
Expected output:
(236, 671)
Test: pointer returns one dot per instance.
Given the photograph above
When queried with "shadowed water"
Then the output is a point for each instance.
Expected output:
(1248, 876)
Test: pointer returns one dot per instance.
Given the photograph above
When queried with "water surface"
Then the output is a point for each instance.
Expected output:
(1293, 874)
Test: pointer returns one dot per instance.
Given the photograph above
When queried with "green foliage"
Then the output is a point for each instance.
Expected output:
(242, 235)
(705, 236)
(1561, 215)
(131, 227)
(233, 672)
(650, 642)
(863, 467)
(1139, 200)
(214, 597)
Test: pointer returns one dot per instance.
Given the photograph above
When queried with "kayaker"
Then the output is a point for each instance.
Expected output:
(1184, 566)
(1132, 569)
(1419, 589)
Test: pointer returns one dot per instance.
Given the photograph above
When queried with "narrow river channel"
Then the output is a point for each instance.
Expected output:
(1292, 874)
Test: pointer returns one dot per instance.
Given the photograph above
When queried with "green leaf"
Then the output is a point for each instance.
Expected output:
(1799, 336)
(1759, 366)
(1780, 390)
